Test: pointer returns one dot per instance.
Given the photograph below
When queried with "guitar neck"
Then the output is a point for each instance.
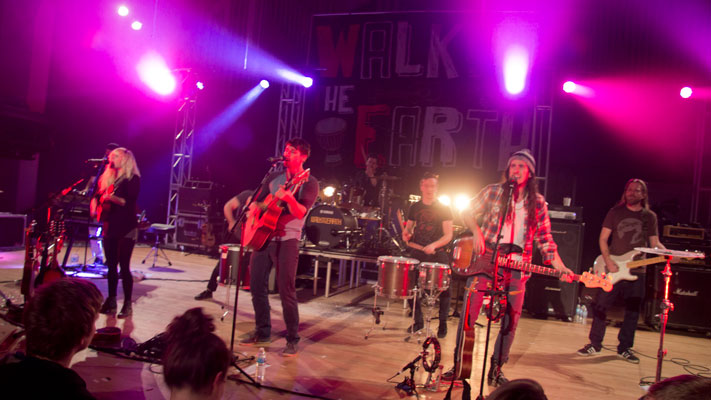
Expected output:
(646, 261)
(528, 267)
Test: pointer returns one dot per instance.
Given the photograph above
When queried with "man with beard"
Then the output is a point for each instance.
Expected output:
(629, 224)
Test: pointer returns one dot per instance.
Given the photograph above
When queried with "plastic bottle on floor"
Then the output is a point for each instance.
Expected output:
(261, 364)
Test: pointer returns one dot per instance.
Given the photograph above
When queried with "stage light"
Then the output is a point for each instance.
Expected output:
(445, 199)
(155, 74)
(569, 87)
(686, 92)
(515, 69)
(461, 202)
(136, 25)
(264, 83)
(122, 10)
(328, 191)
(307, 82)
(199, 85)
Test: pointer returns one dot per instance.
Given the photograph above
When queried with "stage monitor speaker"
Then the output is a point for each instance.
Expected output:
(12, 230)
(196, 198)
(688, 291)
(547, 296)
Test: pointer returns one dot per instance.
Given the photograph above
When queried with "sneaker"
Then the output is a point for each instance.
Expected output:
(207, 294)
(588, 350)
(126, 311)
(495, 377)
(628, 356)
(256, 341)
(415, 327)
(442, 331)
(109, 306)
(290, 350)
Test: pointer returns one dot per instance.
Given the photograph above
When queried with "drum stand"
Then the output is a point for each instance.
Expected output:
(377, 312)
(428, 302)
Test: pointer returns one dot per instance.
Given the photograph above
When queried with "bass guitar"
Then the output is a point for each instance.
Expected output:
(261, 220)
(626, 262)
(465, 263)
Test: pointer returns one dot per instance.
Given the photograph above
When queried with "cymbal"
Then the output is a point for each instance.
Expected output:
(388, 177)
(671, 253)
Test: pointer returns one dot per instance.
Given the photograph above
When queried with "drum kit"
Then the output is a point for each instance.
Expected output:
(342, 220)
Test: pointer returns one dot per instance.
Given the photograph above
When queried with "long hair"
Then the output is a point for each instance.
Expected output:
(643, 184)
(127, 168)
(530, 194)
(194, 355)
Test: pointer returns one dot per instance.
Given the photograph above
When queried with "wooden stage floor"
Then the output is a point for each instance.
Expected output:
(335, 361)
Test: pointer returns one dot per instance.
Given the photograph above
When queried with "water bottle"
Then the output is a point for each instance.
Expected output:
(74, 259)
(261, 364)
(578, 313)
(585, 315)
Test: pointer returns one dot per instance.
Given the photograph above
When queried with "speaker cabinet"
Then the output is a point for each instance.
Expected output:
(547, 296)
(688, 291)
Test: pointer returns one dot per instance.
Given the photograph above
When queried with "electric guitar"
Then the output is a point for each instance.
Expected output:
(465, 263)
(50, 270)
(626, 262)
(99, 206)
(261, 220)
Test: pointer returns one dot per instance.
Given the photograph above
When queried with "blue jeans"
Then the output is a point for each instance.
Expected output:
(284, 256)
(509, 321)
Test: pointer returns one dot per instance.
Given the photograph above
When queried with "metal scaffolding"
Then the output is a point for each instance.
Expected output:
(182, 160)
(291, 115)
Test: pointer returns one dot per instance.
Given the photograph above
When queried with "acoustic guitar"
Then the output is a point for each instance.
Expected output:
(261, 220)
(99, 206)
(50, 270)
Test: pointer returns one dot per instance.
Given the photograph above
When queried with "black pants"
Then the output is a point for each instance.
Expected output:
(118, 252)
(284, 256)
(633, 294)
(445, 297)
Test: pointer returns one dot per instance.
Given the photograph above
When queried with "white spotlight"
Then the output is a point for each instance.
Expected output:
(445, 199)
(264, 83)
(461, 202)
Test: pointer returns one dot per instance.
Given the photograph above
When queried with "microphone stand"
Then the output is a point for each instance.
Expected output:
(240, 219)
(494, 291)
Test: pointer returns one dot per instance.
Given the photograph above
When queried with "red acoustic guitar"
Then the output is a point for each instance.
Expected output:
(465, 263)
(465, 346)
(99, 206)
(262, 219)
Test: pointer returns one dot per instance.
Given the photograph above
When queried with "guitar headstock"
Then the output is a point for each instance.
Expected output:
(301, 177)
(594, 280)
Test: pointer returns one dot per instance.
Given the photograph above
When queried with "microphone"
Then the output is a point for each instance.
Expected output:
(275, 159)
(411, 364)
(96, 161)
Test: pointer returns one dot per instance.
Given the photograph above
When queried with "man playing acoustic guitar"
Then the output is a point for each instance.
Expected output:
(282, 247)
(630, 224)
(527, 221)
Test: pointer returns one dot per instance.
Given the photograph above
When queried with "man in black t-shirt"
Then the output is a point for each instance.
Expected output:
(427, 232)
(230, 210)
(627, 225)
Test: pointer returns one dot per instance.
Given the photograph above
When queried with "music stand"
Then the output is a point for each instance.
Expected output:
(666, 305)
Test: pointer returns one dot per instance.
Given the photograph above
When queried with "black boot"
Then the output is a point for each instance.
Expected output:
(495, 377)
(109, 306)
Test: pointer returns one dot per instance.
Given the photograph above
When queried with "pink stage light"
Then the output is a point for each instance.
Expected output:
(199, 85)
(136, 25)
(569, 87)
(515, 69)
(686, 92)
(122, 10)
(155, 74)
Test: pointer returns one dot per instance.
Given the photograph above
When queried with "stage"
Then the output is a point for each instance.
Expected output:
(335, 361)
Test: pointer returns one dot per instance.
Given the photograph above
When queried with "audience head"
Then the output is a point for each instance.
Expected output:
(60, 319)
(518, 389)
(196, 360)
(680, 387)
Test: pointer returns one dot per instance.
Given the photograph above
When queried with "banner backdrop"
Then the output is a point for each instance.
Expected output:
(420, 90)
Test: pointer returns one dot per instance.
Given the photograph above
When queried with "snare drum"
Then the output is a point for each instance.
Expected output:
(396, 277)
(434, 276)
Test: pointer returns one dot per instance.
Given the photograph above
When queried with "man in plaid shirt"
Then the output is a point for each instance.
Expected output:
(525, 223)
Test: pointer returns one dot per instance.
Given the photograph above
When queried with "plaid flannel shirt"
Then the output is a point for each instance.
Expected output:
(487, 208)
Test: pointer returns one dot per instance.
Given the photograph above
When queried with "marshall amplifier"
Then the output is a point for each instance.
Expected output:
(689, 291)
(547, 295)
